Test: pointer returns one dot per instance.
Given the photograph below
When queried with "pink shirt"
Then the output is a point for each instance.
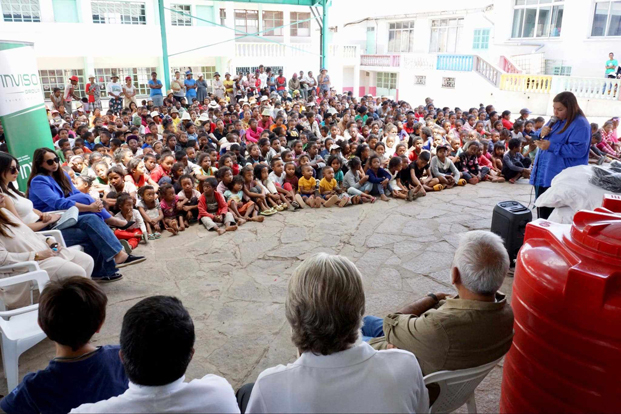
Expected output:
(253, 136)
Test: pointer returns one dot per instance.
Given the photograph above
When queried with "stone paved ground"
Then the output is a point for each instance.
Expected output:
(234, 286)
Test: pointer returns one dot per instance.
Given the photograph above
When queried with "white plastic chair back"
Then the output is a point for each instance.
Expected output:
(457, 387)
(19, 328)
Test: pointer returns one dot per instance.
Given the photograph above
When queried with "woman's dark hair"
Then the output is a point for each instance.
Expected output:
(506, 112)
(4, 222)
(59, 175)
(116, 170)
(156, 326)
(569, 101)
(5, 164)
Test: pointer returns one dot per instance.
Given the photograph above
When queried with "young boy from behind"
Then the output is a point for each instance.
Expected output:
(71, 311)
(157, 344)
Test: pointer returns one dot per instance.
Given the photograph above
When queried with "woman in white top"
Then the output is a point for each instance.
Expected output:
(18, 243)
(336, 371)
(16, 202)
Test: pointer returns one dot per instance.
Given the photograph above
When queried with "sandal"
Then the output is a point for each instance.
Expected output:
(438, 187)
(373, 200)
(461, 182)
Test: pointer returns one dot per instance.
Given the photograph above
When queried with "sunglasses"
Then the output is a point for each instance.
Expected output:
(13, 170)
(52, 161)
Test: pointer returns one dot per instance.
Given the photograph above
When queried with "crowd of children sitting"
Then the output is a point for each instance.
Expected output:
(223, 165)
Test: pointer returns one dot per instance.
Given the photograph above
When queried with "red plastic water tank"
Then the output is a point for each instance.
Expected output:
(566, 353)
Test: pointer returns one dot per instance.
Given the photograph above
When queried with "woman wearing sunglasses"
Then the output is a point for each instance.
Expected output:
(50, 189)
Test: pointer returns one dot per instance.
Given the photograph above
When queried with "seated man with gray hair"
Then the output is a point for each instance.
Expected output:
(471, 329)
(336, 372)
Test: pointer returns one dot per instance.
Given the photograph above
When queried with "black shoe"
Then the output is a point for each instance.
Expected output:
(106, 279)
(128, 225)
(131, 260)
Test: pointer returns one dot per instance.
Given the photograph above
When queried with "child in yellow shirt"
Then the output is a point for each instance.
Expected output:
(330, 190)
(306, 188)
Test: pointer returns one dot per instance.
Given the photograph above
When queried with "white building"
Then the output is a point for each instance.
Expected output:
(513, 52)
(101, 37)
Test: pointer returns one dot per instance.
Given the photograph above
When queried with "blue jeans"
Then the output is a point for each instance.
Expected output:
(98, 241)
(372, 327)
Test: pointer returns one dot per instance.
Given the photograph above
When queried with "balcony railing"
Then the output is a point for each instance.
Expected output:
(261, 50)
(459, 63)
(526, 83)
(508, 66)
(488, 71)
(594, 88)
(415, 61)
(393, 61)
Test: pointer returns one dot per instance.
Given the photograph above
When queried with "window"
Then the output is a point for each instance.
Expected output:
(537, 18)
(184, 19)
(118, 12)
(386, 80)
(420, 80)
(58, 78)
(401, 37)
(445, 34)
(557, 68)
(140, 77)
(222, 17)
(606, 21)
(481, 39)
(300, 29)
(65, 11)
(26, 11)
(246, 21)
(208, 71)
(272, 20)
(448, 83)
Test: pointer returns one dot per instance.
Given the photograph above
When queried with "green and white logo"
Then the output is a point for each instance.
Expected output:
(22, 110)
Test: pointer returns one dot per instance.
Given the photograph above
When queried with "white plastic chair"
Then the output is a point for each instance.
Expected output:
(457, 387)
(58, 236)
(19, 327)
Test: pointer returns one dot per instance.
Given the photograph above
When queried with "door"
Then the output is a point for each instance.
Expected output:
(371, 40)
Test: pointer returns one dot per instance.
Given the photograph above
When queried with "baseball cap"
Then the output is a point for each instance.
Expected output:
(525, 111)
(74, 78)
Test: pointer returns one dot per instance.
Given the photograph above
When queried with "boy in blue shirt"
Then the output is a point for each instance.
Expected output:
(71, 311)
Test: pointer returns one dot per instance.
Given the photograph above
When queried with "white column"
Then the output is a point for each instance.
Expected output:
(286, 31)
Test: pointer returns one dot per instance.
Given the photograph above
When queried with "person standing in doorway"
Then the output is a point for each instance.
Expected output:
(70, 93)
(611, 66)
(156, 90)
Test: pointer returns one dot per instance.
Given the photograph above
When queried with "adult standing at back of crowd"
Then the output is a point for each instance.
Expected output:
(217, 86)
(563, 144)
(129, 92)
(229, 87)
(177, 87)
(190, 87)
(115, 89)
(611, 66)
(70, 93)
(93, 91)
(156, 90)
(324, 81)
(201, 89)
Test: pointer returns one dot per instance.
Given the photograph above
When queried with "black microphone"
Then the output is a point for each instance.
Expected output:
(550, 124)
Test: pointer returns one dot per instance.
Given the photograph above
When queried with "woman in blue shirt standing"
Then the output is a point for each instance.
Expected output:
(563, 144)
